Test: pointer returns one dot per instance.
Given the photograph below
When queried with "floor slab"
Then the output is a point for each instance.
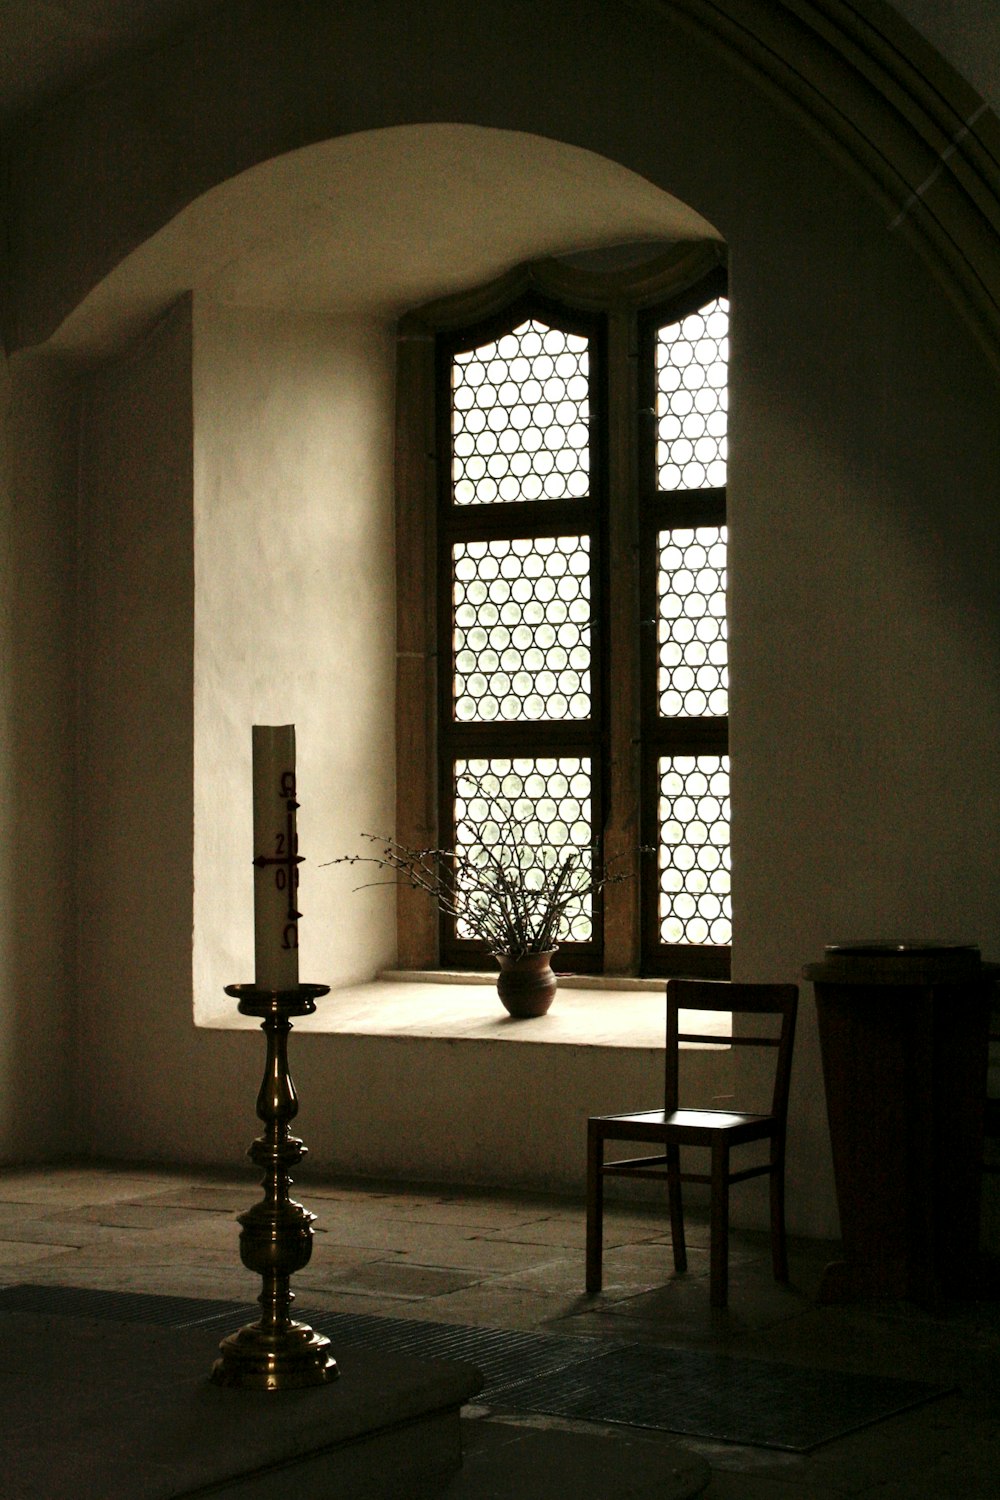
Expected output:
(517, 1262)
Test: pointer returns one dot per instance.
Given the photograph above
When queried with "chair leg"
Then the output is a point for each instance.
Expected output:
(719, 1253)
(676, 1208)
(779, 1250)
(595, 1208)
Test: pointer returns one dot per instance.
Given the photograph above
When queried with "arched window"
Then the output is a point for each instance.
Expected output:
(562, 597)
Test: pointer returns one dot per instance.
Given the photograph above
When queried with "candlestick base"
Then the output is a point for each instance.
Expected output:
(276, 1353)
(258, 1359)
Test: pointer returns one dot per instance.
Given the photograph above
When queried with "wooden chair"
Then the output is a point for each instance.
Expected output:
(717, 1129)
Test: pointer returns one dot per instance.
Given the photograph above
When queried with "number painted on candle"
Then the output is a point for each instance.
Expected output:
(276, 856)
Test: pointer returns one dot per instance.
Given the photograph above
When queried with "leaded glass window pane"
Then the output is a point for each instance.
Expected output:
(692, 646)
(528, 814)
(520, 418)
(695, 904)
(692, 399)
(522, 629)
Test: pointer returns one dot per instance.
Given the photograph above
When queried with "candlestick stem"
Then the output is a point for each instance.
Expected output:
(276, 1352)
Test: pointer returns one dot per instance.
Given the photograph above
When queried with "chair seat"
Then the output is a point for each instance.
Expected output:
(687, 1125)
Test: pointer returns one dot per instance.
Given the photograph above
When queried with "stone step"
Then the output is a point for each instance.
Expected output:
(111, 1411)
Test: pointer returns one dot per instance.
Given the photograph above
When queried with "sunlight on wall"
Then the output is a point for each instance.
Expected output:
(294, 623)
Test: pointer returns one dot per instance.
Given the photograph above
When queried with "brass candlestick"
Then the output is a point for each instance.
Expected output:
(276, 1353)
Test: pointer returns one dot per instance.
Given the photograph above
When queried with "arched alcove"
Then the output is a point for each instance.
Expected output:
(373, 223)
(285, 283)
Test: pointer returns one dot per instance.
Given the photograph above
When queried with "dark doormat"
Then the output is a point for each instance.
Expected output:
(749, 1401)
(752, 1402)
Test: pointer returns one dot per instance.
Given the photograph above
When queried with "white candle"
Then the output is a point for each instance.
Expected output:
(275, 848)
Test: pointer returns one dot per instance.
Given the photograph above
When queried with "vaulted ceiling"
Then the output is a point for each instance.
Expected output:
(52, 46)
(840, 60)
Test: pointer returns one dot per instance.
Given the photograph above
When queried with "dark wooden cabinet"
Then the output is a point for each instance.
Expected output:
(904, 1037)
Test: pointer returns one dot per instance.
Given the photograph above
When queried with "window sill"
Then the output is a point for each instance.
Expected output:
(589, 1011)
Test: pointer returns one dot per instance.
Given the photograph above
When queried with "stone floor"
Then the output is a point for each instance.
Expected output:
(514, 1260)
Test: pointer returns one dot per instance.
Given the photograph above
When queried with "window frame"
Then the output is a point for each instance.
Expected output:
(619, 301)
(503, 521)
(668, 510)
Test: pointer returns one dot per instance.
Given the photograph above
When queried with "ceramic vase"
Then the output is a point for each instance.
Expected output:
(526, 985)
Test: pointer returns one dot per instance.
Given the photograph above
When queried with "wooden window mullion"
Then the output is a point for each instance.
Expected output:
(622, 831)
(416, 635)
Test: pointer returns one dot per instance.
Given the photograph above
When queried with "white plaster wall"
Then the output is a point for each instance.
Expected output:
(134, 766)
(294, 623)
(865, 570)
(37, 538)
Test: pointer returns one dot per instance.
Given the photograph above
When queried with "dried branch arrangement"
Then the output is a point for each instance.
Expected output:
(505, 887)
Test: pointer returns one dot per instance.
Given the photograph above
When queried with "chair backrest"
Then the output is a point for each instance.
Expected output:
(739, 999)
